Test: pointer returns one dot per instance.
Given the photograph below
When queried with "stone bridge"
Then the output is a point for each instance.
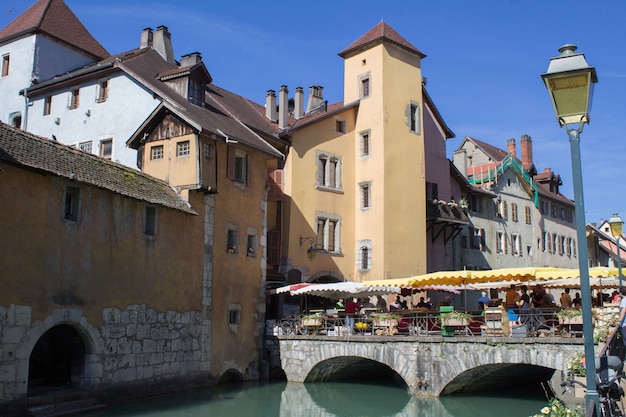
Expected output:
(431, 365)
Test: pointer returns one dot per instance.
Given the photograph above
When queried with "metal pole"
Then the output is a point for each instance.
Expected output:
(591, 397)
(619, 264)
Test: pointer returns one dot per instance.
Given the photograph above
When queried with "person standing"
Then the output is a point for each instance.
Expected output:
(483, 300)
(352, 307)
(566, 300)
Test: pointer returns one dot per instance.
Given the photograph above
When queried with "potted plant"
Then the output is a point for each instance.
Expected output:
(312, 320)
(570, 316)
(577, 370)
(456, 318)
(385, 319)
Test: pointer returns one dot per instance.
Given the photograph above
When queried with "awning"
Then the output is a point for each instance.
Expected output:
(345, 289)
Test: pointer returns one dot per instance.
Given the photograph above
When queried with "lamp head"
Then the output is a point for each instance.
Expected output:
(616, 224)
(569, 80)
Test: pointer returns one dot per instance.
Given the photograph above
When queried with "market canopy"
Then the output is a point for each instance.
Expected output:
(345, 289)
(502, 276)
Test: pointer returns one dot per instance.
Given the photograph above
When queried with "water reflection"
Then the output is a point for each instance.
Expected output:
(332, 399)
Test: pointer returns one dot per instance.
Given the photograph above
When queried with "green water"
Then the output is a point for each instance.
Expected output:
(339, 399)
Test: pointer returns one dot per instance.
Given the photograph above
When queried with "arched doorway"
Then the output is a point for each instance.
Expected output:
(57, 360)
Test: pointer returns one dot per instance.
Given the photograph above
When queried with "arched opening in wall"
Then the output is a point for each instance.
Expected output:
(230, 376)
(57, 360)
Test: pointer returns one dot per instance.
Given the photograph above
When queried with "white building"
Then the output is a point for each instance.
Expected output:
(46, 40)
(526, 221)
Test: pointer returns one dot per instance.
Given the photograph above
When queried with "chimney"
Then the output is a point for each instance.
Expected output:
(283, 107)
(190, 59)
(527, 151)
(163, 43)
(511, 147)
(459, 159)
(270, 105)
(146, 38)
(298, 103)
(315, 97)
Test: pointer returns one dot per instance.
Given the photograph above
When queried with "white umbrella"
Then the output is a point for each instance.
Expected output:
(345, 289)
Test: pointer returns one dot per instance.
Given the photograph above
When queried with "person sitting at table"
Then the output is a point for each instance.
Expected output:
(423, 304)
(483, 300)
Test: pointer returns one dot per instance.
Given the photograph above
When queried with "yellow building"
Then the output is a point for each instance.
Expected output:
(354, 175)
(195, 147)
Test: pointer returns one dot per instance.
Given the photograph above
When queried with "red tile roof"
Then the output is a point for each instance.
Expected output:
(382, 31)
(55, 19)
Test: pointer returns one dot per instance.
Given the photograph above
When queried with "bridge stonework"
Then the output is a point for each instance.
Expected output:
(428, 365)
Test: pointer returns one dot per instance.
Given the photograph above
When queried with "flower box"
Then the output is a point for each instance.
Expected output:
(455, 322)
(385, 322)
(312, 322)
(571, 320)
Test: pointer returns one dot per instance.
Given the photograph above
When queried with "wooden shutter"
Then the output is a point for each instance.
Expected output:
(273, 249)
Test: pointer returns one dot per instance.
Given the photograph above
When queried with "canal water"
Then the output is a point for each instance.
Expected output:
(340, 399)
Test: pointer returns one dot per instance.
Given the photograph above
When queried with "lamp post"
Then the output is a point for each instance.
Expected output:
(569, 80)
(617, 225)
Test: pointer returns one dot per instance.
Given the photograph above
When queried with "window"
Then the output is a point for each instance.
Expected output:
(476, 204)
(196, 92)
(156, 152)
(365, 195)
(364, 143)
(102, 91)
(516, 244)
(5, 64)
(340, 126)
(514, 212)
(85, 146)
(74, 100)
(554, 243)
(238, 166)
(432, 191)
(504, 210)
(501, 242)
(149, 228)
(561, 245)
(234, 316)
(478, 241)
(544, 242)
(527, 214)
(365, 86)
(568, 247)
(231, 240)
(251, 245)
(555, 210)
(106, 148)
(47, 105)
(182, 148)
(544, 206)
(364, 258)
(71, 205)
(573, 248)
(328, 171)
(328, 234)
(414, 117)
(207, 150)
(15, 119)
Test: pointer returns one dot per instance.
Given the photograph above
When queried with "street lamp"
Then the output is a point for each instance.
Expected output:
(617, 224)
(570, 80)
(310, 253)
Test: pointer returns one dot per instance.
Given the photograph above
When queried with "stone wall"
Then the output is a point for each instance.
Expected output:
(136, 347)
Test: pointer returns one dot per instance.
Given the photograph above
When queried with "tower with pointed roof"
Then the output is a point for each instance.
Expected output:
(366, 209)
(46, 40)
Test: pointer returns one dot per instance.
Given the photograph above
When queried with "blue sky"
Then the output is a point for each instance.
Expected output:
(483, 64)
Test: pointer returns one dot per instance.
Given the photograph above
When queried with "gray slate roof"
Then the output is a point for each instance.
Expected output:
(24, 149)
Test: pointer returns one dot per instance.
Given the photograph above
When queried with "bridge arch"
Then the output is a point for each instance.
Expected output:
(307, 360)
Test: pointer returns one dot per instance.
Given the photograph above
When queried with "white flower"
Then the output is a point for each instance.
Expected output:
(545, 410)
